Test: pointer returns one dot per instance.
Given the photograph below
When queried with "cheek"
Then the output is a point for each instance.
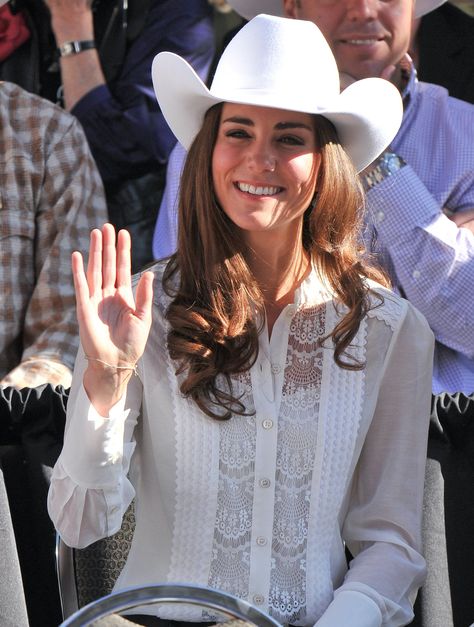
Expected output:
(305, 170)
(326, 19)
(398, 20)
(218, 169)
(223, 160)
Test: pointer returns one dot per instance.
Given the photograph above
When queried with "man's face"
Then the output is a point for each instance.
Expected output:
(366, 36)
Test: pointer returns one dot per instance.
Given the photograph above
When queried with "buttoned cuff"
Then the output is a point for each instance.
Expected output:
(351, 608)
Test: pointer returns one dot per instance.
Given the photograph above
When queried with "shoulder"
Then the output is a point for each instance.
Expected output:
(385, 305)
(396, 312)
(446, 112)
(19, 103)
(28, 119)
(436, 136)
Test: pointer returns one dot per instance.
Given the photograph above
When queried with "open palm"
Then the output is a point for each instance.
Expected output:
(114, 326)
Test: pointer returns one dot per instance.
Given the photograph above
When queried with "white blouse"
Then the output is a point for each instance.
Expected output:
(261, 506)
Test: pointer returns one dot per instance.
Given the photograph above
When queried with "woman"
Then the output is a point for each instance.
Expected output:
(281, 398)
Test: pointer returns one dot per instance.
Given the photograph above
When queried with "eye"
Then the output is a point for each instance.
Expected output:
(237, 133)
(291, 140)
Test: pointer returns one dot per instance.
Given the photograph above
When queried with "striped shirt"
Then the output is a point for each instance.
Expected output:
(50, 198)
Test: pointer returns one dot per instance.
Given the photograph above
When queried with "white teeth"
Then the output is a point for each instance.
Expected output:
(258, 191)
(362, 42)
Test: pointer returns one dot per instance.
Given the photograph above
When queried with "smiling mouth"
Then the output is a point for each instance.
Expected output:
(259, 190)
(361, 42)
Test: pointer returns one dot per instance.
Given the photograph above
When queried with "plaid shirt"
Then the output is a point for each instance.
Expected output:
(51, 196)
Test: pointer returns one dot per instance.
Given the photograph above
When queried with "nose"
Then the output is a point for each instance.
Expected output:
(361, 10)
(261, 158)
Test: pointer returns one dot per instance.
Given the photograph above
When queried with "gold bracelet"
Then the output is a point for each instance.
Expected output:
(132, 367)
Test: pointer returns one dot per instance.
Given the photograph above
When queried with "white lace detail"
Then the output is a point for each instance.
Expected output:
(298, 419)
(390, 310)
(233, 527)
(340, 414)
(296, 447)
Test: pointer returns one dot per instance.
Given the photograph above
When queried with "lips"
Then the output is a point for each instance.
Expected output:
(258, 190)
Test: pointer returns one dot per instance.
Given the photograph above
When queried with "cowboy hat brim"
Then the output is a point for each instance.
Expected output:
(366, 115)
(250, 8)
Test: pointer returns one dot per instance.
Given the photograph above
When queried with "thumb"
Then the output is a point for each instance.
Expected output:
(144, 297)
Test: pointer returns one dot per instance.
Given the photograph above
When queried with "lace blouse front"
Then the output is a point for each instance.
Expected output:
(295, 452)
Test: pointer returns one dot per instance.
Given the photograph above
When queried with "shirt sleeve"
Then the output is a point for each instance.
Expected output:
(123, 123)
(69, 202)
(432, 259)
(382, 527)
(90, 490)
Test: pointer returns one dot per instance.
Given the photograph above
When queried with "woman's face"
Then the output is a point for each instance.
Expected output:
(264, 167)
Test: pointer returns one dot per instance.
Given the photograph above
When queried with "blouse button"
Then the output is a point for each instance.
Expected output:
(276, 368)
(265, 483)
(258, 599)
(267, 423)
(261, 541)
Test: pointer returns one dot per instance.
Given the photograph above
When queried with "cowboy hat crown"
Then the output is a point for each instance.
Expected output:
(285, 64)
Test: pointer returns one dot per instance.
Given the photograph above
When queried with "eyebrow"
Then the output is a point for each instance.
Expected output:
(280, 126)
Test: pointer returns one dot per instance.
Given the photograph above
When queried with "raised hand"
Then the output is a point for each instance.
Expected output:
(113, 326)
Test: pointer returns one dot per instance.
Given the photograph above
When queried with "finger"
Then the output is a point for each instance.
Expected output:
(124, 276)
(144, 297)
(81, 286)
(94, 264)
(109, 256)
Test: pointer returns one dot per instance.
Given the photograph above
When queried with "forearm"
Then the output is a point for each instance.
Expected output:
(433, 260)
(69, 204)
(90, 489)
(382, 528)
(122, 120)
(105, 384)
(82, 72)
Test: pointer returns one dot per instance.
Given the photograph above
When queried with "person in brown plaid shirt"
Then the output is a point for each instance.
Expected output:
(51, 196)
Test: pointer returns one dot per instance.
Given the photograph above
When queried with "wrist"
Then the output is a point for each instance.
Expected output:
(71, 48)
(66, 29)
(387, 164)
(105, 386)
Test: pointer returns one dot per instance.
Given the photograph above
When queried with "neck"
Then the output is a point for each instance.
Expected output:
(397, 78)
(279, 268)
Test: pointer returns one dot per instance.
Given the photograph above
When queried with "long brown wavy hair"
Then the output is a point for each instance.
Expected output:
(216, 299)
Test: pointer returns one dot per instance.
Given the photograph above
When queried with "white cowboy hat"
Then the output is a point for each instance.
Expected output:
(266, 64)
(250, 8)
